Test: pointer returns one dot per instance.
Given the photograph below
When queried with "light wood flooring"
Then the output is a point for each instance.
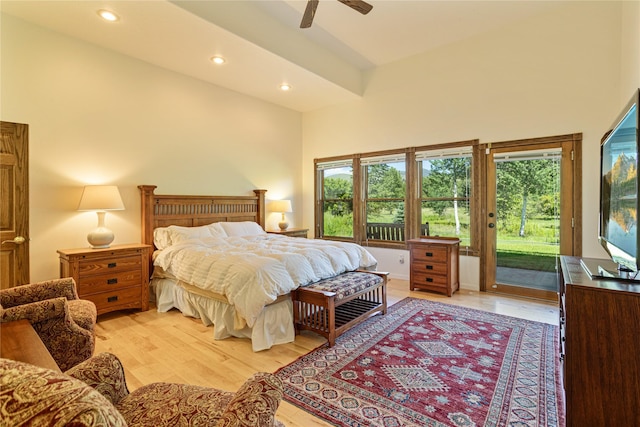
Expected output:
(172, 348)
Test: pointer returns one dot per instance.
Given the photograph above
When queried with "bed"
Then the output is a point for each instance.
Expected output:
(213, 261)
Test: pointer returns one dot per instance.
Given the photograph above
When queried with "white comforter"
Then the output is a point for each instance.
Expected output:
(253, 271)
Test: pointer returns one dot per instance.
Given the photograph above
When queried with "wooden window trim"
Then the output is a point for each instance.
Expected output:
(412, 196)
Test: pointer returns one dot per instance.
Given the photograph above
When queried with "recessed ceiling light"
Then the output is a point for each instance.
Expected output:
(107, 15)
(285, 87)
(218, 60)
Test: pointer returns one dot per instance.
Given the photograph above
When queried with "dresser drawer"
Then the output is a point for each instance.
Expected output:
(122, 298)
(426, 267)
(429, 280)
(429, 253)
(89, 267)
(109, 282)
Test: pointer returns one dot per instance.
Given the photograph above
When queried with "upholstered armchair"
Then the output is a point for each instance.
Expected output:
(64, 322)
(94, 393)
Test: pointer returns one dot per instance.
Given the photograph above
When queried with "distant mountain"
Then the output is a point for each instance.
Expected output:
(623, 177)
(624, 168)
(345, 176)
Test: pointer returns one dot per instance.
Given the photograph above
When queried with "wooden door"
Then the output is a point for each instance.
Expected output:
(517, 273)
(14, 210)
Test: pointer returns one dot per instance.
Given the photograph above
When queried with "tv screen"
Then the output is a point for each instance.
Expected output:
(618, 232)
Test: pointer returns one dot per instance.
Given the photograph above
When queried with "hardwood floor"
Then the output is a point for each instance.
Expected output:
(172, 348)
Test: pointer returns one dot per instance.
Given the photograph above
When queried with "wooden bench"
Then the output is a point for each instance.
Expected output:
(332, 306)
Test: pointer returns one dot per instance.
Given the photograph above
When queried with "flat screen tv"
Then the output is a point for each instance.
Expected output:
(618, 230)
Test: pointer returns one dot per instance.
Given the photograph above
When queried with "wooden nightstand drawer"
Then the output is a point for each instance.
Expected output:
(109, 282)
(429, 253)
(109, 265)
(431, 268)
(113, 278)
(115, 300)
(430, 280)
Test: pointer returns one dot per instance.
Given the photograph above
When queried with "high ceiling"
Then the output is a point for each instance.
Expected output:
(263, 44)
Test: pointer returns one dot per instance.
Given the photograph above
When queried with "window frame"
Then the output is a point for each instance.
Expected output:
(442, 153)
(320, 165)
(412, 201)
(385, 157)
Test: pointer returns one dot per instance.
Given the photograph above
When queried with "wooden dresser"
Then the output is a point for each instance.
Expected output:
(435, 264)
(114, 278)
(599, 348)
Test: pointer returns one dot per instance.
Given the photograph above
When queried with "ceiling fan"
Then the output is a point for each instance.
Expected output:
(310, 11)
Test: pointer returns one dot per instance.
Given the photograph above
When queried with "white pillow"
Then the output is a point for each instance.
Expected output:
(243, 228)
(217, 230)
(180, 234)
(162, 237)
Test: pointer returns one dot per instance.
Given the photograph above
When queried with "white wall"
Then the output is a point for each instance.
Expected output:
(99, 117)
(630, 42)
(554, 74)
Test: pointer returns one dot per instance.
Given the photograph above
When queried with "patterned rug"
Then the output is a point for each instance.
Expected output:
(430, 364)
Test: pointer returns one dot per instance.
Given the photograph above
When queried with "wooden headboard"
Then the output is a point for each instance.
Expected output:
(192, 211)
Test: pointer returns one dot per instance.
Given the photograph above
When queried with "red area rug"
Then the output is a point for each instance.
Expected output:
(431, 364)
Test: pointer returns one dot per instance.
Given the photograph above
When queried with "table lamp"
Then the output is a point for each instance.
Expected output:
(100, 198)
(282, 206)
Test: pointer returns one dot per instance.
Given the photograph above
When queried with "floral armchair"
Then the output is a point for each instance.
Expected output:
(64, 322)
(94, 393)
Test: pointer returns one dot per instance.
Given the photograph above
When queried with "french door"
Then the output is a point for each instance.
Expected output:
(532, 209)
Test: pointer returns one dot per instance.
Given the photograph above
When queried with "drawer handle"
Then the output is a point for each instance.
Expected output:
(429, 267)
(112, 264)
(112, 299)
(429, 279)
(428, 254)
(112, 281)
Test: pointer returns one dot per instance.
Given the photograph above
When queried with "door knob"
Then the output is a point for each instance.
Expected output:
(18, 240)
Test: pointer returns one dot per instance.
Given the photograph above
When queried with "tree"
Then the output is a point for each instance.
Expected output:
(384, 182)
(519, 180)
(447, 179)
(399, 216)
(336, 189)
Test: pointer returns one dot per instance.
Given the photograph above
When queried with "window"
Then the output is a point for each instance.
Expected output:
(336, 198)
(384, 200)
(445, 192)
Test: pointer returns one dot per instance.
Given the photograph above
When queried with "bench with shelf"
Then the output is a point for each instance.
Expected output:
(332, 306)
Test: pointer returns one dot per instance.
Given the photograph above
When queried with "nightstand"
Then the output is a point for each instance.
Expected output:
(114, 278)
(291, 232)
(435, 264)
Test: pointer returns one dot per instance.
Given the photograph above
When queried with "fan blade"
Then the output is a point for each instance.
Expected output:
(309, 13)
(359, 5)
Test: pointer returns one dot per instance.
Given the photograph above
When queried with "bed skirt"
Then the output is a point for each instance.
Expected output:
(273, 326)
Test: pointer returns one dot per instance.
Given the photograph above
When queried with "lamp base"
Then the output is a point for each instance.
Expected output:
(100, 238)
(283, 225)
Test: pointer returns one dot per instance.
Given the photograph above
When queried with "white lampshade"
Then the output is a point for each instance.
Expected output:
(281, 206)
(100, 198)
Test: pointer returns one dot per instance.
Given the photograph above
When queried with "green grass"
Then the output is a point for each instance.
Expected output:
(526, 261)
(536, 251)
